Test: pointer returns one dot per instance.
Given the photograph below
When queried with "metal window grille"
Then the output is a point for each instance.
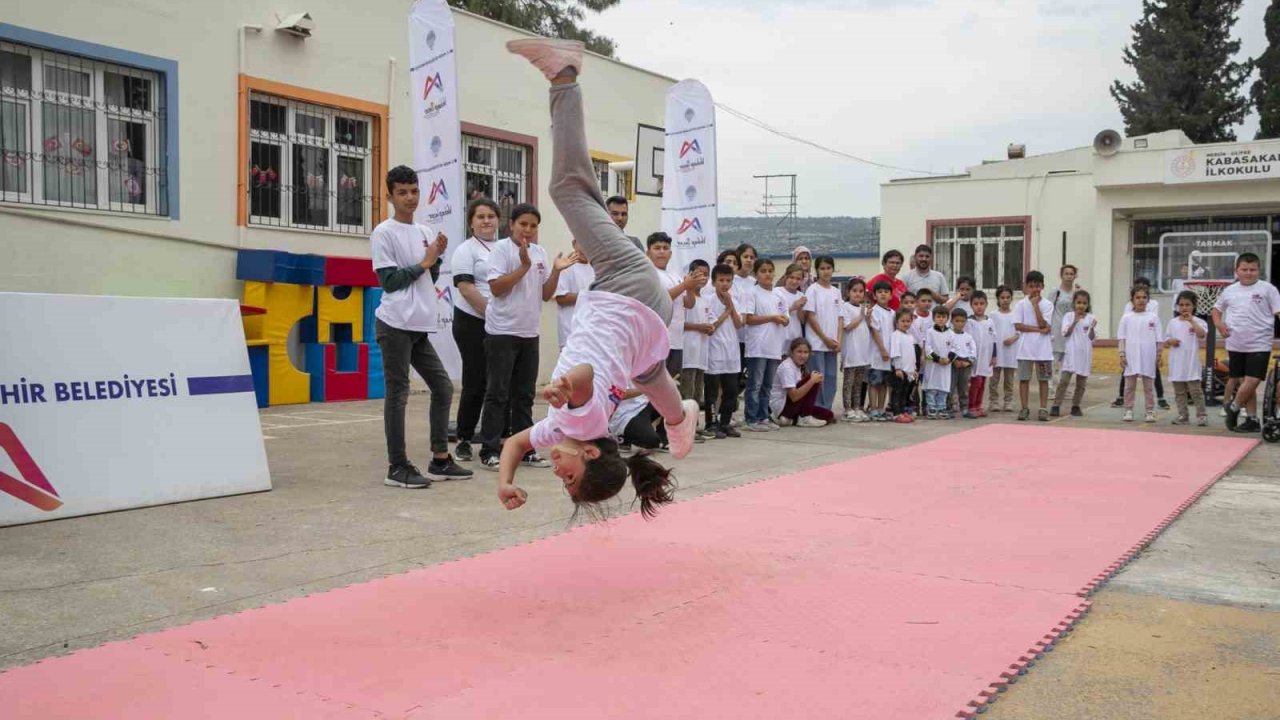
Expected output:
(79, 133)
(991, 254)
(499, 171)
(309, 166)
(602, 171)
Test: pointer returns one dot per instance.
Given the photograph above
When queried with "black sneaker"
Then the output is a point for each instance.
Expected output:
(1164, 404)
(463, 451)
(720, 434)
(731, 431)
(1117, 403)
(1055, 411)
(1233, 415)
(447, 469)
(1250, 425)
(533, 459)
(405, 476)
(625, 449)
(1076, 411)
(490, 462)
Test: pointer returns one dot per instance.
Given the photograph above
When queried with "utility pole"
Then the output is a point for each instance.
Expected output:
(780, 205)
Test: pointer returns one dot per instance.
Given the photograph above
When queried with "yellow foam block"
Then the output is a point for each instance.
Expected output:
(288, 385)
(330, 311)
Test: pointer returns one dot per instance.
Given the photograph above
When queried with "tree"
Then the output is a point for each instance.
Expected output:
(1266, 89)
(552, 18)
(1183, 52)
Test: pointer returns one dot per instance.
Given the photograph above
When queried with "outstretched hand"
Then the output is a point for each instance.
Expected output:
(564, 262)
(512, 496)
(557, 392)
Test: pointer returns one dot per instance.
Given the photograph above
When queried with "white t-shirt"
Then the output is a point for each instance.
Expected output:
(965, 306)
(619, 338)
(1077, 350)
(1034, 345)
(723, 355)
(882, 323)
(825, 304)
(920, 325)
(472, 259)
(1249, 312)
(963, 345)
(519, 312)
(397, 245)
(741, 291)
(695, 343)
(763, 341)
(787, 377)
(626, 412)
(576, 279)
(1006, 355)
(903, 354)
(1184, 360)
(856, 348)
(1153, 306)
(675, 330)
(795, 328)
(936, 376)
(1142, 336)
(983, 333)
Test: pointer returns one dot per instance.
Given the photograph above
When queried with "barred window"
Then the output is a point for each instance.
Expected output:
(991, 254)
(602, 171)
(309, 166)
(76, 132)
(496, 170)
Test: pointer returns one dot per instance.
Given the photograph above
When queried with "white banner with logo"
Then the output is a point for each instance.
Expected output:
(437, 149)
(689, 195)
(109, 403)
(1222, 163)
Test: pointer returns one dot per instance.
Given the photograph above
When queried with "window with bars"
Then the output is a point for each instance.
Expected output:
(992, 254)
(496, 170)
(76, 132)
(602, 172)
(310, 166)
(1169, 252)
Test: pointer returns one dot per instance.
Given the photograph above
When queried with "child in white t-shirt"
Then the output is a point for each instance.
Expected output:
(724, 361)
(699, 324)
(794, 397)
(822, 315)
(765, 316)
(882, 317)
(1153, 307)
(937, 365)
(575, 279)
(1245, 315)
(963, 296)
(981, 328)
(902, 356)
(791, 294)
(855, 350)
(1079, 331)
(965, 351)
(1183, 334)
(1140, 339)
(620, 338)
(1005, 367)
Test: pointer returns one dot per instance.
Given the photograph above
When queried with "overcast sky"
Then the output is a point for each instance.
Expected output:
(923, 84)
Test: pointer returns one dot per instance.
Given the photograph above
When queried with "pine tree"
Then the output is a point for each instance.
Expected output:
(552, 18)
(1183, 52)
(1266, 89)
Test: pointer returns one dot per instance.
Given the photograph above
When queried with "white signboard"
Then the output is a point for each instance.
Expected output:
(1224, 163)
(109, 403)
(689, 213)
(437, 150)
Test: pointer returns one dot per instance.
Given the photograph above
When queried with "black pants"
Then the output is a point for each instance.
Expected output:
(402, 349)
(469, 334)
(645, 430)
(726, 387)
(1159, 384)
(899, 392)
(675, 363)
(513, 372)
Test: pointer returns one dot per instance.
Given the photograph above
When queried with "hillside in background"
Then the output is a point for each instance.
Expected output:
(822, 235)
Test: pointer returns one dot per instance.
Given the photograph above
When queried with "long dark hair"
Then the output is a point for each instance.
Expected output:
(604, 477)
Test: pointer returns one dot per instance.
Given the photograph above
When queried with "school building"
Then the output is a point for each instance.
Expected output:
(144, 144)
(1157, 206)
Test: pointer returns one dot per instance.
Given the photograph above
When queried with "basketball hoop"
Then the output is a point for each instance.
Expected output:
(1207, 292)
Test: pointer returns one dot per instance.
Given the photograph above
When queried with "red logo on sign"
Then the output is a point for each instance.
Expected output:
(32, 487)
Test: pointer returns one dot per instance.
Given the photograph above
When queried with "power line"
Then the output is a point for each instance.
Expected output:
(839, 153)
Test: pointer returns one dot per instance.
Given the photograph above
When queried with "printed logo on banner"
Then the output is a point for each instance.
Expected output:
(690, 193)
(1184, 165)
(431, 40)
(689, 223)
(690, 234)
(688, 114)
(436, 144)
(433, 108)
(690, 157)
(32, 487)
(437, 213)
(437, 190)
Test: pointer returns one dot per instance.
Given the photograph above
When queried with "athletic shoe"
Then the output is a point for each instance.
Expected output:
(904, 418)
(720, 433)
(549, 56)
(447, 469)
(463, 452)
(1150, 417)
(1202, 421)
(680, 435)
(1248, 425)
(773, 425)
(1055, 411)
(1024, 414)
(1164, 404)
(1007, 406)
(405, 476)
(490, 462)
(533, 459)
(1223, 410)
(808, 421)
(1232, 415)
(1128, 416)
(967, 415)
(849, 415)
(732, 432)
(785, 421)
(707, 433)
(1181, 420)
(756, 427)
(737, 420)
(1076, 411)
(625, 449)
(1117, 403)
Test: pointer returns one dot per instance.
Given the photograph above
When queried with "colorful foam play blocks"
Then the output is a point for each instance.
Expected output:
(339, 371)
(277, 266)
(259, 367)
(372, 299)
(339, 314)
(377, 383)
(357, 272)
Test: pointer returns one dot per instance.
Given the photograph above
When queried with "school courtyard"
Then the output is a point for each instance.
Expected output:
(1188, 630)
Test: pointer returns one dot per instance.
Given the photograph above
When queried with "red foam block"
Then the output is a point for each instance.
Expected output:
(357, 272)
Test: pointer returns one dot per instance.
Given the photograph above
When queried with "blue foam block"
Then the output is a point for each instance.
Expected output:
(315, 366)
(377, 385)
(372, 298)
(263, 265)
(261, 376)
(306, 269)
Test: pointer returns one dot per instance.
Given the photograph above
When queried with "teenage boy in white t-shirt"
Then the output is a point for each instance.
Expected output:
(677, 286)
(403, 255)
(1031, 318)
(699, 325)
(1245, 315)
(575, 280)
(765, 317)
(723, 359)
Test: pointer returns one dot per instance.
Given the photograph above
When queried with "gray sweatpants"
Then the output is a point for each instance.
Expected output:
(620, 266)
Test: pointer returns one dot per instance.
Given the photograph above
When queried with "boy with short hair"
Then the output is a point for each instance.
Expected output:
(723, 359)
(965, 350)
(881, 335)
(921, 321)
(907, 301)
(659, 252)
(1035, 348)
(576, 279)
(1245, 315)
(982, 330)
(698, 327)
(938, 355)
(765, 315)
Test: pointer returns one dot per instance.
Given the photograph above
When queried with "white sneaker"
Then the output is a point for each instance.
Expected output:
(1128, 416)
(850, 415)
(1151, 417)
(737, 420)
(680, 436)
(773, 425)
(863, 417)
(548, 55)
(808, 421)
(756, 427)
(785, 422)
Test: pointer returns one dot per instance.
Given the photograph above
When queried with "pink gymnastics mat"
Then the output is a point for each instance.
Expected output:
(915, 583)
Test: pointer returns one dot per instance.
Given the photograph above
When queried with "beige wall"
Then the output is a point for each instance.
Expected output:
(357, 50)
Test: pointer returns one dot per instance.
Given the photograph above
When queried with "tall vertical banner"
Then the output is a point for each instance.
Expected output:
(689, 196)
(437, 149)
